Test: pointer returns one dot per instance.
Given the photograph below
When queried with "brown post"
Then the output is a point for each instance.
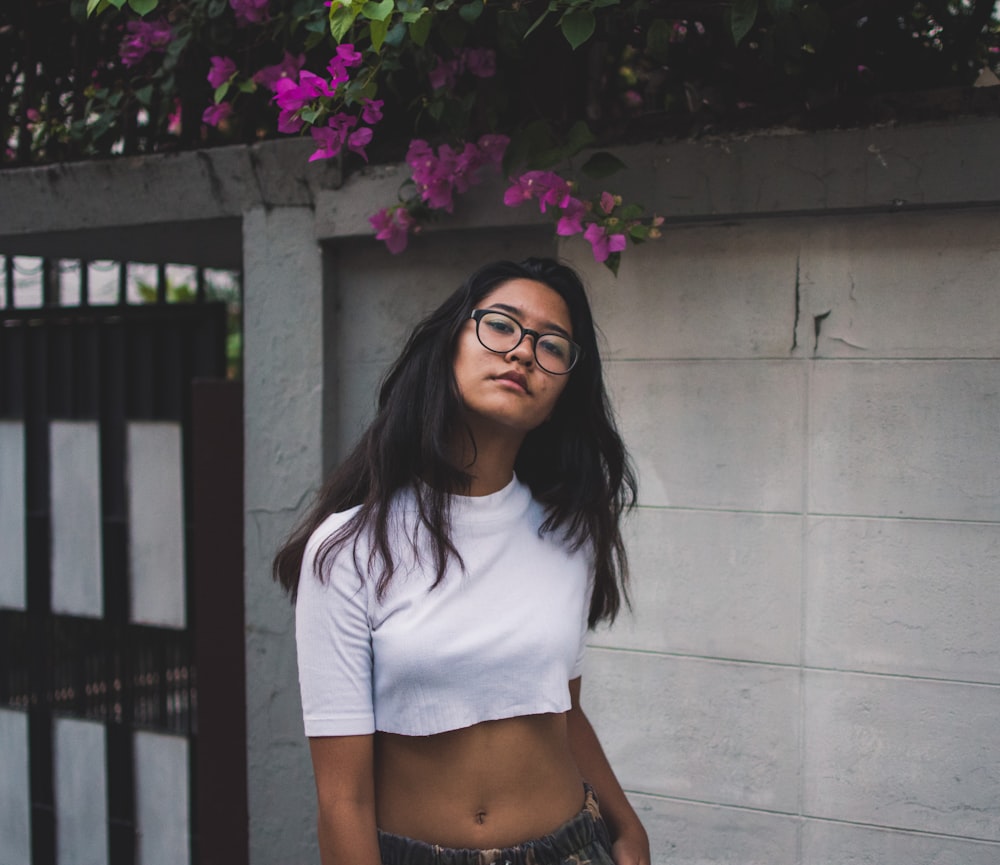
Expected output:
(220, 773)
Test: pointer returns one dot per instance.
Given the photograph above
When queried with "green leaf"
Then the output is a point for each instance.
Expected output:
(613, 262)
(341, 19)
(471, 11)
(421, 29)
(248, 86)
(221, 91)
(538, 21)
(144, 95)
(142, 7)
(630, 212)
(578, 26)
(778, 8)
(743, 14)
(602, 164)
(396, 34)
(378, 30)
(638, 233)
(579, 137)
(378, 11)
(310, 115)
(117, 3)
(96, 6)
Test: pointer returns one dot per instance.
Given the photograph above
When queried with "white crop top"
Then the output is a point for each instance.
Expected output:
(498, 640)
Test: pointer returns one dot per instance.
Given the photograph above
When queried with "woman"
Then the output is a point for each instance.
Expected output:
(444, 584)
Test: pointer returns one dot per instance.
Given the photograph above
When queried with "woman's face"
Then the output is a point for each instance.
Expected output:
(510, 390)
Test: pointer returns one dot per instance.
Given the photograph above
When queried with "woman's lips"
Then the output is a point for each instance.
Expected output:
(516, 378)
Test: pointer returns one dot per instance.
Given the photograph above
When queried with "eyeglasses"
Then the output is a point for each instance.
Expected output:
(500, 333)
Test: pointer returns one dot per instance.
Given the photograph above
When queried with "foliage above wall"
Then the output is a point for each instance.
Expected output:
(532, 88)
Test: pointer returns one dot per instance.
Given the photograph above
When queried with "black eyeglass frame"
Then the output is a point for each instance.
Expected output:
(477, 316)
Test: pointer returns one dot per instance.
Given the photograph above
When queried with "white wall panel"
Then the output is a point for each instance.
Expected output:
(81, 792)
(695, 833)
(15, 798)
(156, 523)
(825, 843)
(905, 438)
(707, 731)
(712, 583)
(910, 597)
(75, 467)
(162, 799)
(714, 434)
(908, 753)
(12, 515)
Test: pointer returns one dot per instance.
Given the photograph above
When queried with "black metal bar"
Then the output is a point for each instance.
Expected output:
(84, 283)
(8, 281)
(161, 283)
(122, 283)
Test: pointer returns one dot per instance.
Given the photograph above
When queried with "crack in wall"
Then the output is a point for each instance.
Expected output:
(798, 306)
(818, 326)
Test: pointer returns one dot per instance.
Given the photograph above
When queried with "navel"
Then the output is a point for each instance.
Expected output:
(481, 816)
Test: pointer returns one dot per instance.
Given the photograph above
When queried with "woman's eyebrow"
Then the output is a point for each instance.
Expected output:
(517, 312)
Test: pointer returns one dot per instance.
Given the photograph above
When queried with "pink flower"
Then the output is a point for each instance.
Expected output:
(607, 202)
(602, 243)
(546, 186)
(570, 222)
(291, 96)
(143, 38)
(345, 58)
(33, 115)
(442, 75)
(250, 11)
(371, 111)
(215, 114)
(494, 147)
(223, 68)
(358, 141)
(174, 119)
(332, 137)
(393, 226)
(288, 68)
(481, 62)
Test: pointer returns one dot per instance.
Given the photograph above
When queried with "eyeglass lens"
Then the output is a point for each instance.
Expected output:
(500, 333)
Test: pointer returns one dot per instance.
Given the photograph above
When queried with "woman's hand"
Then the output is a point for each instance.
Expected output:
(631, 847)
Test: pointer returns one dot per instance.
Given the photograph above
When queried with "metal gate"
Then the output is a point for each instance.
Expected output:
(120, 586)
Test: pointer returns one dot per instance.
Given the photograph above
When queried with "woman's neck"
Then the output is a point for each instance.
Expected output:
(488, 459)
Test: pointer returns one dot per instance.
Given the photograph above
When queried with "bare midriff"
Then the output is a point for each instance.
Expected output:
(495, 784)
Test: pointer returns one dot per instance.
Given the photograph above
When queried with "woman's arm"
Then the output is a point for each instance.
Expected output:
(630, 844)
(345, 791)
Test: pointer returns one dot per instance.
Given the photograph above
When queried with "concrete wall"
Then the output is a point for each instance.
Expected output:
(806, 371)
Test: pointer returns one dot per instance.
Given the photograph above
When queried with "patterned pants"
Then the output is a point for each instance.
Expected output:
(583, 840)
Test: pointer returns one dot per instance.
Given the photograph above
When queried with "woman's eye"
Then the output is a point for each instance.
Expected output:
(555, 348)
(500, 325)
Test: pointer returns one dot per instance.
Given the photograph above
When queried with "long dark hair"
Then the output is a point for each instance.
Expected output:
(574, 464)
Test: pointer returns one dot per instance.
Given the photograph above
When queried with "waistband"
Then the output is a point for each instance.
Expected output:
(576, 833)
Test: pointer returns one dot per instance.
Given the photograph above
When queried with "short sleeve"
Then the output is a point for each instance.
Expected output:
(577, 670)
(334, 647)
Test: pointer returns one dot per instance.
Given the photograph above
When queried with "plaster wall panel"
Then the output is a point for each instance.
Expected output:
(904, 753)
(712, 583)
(708, 731)
(903, 285)
(826, 843)
(156, 524)
(74, 459)
(162, 799)
(15, 788)
(693, 833)
(714, 434)
(898, 438)
(719, 291)
(283, 381)
(910, 597)
(81, 792)
(13, 522)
